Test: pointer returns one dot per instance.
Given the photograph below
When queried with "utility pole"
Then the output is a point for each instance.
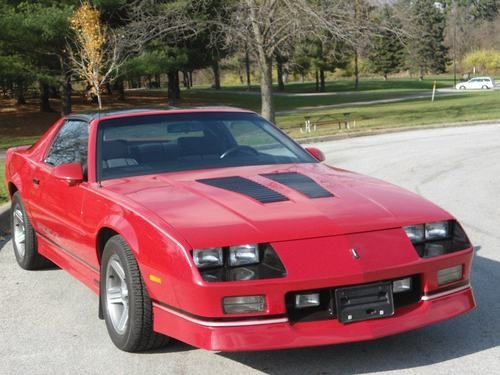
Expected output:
(455, 46)
(356, 57)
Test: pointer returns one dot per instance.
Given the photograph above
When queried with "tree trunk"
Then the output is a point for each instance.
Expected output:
(385, 76)
(240, 74)
(66, 87)
(322, 80)
(356, 70)
(177, 85)
(279, 68)
(99, 99)
(20, 94)
(171, 88)
(216, 70)
(44, 97)
(247, 68)
(317, 80)
(190, 78)
(120, 86)
(53, 93)
(66, 91)
(266, 88)
(109, 89)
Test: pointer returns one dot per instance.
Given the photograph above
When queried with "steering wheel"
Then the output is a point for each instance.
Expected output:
(244, 149)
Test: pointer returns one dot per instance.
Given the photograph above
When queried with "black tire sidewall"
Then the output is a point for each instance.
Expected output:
(30, 259)
(126, 340)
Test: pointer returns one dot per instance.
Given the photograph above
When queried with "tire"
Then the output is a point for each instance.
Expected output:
(123, 292)
(24, 238)
(485, 87)
(462, 87)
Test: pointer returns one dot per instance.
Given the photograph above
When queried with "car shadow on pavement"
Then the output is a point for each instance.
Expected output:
(6, 238)
(464, 335)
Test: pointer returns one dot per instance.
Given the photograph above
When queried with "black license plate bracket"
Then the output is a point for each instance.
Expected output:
(364, 302)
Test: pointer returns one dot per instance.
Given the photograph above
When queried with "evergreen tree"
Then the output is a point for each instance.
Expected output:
(386, 52)
(36, 32)
(427, 52)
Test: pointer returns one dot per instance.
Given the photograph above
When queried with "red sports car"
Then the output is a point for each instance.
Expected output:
(213, 227)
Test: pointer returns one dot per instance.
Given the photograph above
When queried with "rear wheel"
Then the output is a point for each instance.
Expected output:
(127, 308)
(485, 87)
(24, 238)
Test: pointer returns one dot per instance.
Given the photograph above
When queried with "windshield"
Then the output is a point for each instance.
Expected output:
(140, 145)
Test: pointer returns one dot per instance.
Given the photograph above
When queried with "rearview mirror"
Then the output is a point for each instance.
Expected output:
(72, 173)
(317, 153)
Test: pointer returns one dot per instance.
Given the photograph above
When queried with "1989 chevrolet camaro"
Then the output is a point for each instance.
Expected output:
(213, 227)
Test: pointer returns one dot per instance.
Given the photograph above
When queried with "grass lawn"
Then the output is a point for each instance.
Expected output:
(375, 84)
(365, 84)
(286, 103)
(3, 188)
(7, 141)
(447, 109)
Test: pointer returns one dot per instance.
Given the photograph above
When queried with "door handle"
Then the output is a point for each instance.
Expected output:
(36, 181)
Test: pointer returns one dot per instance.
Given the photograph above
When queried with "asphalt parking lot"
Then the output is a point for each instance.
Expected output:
(49, 325)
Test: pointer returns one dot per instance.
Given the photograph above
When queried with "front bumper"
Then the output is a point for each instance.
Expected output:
(278, 333)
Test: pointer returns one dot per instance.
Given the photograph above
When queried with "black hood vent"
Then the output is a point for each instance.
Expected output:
(247, 187)
(300, 183)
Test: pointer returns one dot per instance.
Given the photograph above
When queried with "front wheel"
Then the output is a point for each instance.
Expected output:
(462, 87)
(485, 87)
(127, 308)
(24, 238)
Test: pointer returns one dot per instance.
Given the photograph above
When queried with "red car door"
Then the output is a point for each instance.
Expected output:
(57, 207)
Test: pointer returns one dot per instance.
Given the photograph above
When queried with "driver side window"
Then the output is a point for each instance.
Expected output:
(70, 145)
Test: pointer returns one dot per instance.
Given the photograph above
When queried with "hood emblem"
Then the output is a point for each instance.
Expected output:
(354, 253)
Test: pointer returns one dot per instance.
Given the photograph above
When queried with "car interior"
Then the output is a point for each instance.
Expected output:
(128, 151)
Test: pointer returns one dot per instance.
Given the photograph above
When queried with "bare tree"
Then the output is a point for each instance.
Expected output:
(268, 26)
(96, 52)
(149, 20)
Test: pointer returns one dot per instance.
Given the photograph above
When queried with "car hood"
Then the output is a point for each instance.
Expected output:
(206, 215)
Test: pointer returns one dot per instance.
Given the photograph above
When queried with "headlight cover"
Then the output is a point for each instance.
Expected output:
(439, 230)
(244, 254)
(239, 263)
(437, 238)
(416, 233)
(207, 258)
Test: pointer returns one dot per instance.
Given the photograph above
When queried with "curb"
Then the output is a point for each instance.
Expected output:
(365, 133)
(4, 218)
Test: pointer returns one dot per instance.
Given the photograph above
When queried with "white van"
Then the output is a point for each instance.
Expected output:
(477, 83)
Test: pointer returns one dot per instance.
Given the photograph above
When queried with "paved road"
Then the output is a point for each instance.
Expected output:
(49, 325)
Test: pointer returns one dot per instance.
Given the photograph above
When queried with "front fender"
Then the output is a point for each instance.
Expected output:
(161, 261)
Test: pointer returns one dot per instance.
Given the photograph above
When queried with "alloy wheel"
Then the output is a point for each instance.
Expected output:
(117, 295)
(19, 231)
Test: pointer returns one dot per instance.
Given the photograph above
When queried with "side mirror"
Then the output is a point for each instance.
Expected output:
(72, 173)
(317, 153)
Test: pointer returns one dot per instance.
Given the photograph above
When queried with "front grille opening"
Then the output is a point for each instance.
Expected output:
(327, 308)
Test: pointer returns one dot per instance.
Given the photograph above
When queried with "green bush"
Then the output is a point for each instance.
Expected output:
(483, 61)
